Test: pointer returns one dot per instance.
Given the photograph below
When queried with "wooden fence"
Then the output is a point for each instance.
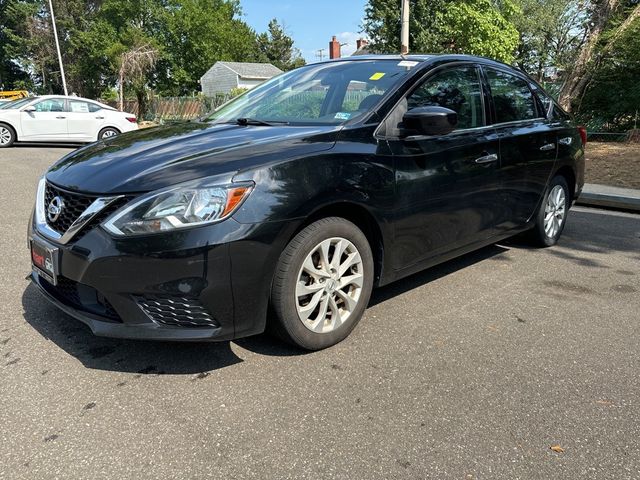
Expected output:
(175, 108)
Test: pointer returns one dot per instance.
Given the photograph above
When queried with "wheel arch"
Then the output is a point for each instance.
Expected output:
(105, 127)
(7, 124)
(360, 217)
(568, 173)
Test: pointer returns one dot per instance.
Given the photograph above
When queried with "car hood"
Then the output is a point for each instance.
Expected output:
(158, 157)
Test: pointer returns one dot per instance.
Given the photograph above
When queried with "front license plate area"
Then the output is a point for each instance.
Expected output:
(45, 261)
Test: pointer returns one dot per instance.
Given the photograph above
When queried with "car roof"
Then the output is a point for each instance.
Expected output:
(73, 97)
(426, 59)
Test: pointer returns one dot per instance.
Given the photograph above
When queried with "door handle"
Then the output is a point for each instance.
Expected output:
(548, 147)
(487, 158)
(61, 118)
(99, 118)
(565, 141)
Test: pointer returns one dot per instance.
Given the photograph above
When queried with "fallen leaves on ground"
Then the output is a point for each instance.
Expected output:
(557, 448)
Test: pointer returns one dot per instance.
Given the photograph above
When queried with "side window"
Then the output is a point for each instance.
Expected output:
(78, 106)
(456, 89)
(94, 108)
(512, 97)
(50, 105)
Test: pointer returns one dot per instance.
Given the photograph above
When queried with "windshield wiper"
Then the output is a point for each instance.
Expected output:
(255, 121)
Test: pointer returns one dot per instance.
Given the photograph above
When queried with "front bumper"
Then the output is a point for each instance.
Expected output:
(206, 284)
(104, 327)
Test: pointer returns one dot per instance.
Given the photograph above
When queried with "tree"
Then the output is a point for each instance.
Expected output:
(480, 27)
(578, 78)
(134, 66)
(276, 47)
(551, 31)
(611, 97)
(199, 33)
(26, 47)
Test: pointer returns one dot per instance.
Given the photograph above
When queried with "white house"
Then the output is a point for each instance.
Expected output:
(222, 77)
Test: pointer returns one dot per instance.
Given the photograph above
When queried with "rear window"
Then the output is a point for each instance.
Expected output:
(512, 97)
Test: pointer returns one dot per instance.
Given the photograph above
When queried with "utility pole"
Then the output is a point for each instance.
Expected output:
(55, 35)
(404, 36)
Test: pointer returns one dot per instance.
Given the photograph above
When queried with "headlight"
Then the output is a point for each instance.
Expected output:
(176, 208)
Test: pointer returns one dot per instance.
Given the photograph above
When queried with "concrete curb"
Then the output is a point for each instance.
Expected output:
(610, 197)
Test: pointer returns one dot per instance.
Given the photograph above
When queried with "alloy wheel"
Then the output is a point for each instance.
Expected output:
(5, 136)
(109, 134)
(329, 285)
(555, 211)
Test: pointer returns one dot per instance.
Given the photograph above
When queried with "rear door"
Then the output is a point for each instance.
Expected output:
(528, 142)
(47, 123)
(84, 120)
(447, 187)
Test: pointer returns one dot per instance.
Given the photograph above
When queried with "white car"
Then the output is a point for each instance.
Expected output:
(56, 118)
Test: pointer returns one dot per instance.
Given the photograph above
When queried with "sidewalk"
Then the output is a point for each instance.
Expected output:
(610, 197)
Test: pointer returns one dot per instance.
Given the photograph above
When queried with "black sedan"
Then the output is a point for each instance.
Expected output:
(289, 204)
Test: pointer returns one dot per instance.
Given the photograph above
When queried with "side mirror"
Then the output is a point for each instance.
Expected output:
(30, 108)
(430, 120)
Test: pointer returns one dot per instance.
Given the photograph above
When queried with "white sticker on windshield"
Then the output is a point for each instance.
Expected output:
(407, 63)
(342, 116)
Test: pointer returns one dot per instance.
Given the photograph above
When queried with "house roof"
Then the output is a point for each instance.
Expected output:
(363, 50)
(253, 70)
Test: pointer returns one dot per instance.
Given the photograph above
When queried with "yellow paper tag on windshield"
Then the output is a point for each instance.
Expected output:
(376, 76)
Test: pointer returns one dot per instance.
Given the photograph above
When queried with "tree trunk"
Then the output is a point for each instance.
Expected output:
(121, 87)
(579, 77)
(141, 95)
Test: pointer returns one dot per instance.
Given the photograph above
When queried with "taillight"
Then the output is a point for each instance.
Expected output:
(131, 119)
(583, 135)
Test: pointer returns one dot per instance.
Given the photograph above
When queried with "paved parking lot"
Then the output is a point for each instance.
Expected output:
(471, 370)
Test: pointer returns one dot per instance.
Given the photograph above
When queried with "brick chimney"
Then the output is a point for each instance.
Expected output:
(361, 42)
(334, 48)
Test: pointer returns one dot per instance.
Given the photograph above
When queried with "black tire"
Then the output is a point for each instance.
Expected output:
(538, 235)
(287, 323)
(108, 132)
(6, 131)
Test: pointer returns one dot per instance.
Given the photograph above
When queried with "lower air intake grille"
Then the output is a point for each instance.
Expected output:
(176, 311)
(81, 297)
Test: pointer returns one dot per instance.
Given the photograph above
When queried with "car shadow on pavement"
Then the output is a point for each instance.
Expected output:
(136, 356)
(419, 279)
(46, 145)
(590, 232)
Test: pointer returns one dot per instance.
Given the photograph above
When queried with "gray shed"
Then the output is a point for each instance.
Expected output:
(222, 77)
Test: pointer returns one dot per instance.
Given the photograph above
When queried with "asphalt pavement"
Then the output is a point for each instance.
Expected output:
(471, 370)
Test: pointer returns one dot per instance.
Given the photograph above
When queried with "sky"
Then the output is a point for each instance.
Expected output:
(311, 23)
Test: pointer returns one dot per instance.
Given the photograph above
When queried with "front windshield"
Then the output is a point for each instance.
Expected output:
(326, 93)
(17, 103)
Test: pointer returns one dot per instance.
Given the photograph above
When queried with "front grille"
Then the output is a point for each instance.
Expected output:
(81, 297)
(74, 205)
(179, 311)
(102, 216)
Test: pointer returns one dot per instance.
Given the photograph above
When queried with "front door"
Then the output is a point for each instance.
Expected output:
(47, 123)
(447, 187)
